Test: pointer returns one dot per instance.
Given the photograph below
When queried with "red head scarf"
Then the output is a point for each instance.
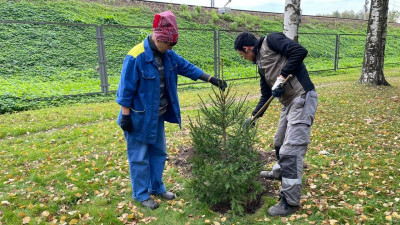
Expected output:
(165, 27)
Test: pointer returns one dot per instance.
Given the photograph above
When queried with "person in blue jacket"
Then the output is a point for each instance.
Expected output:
(277, 57)
(148, 96)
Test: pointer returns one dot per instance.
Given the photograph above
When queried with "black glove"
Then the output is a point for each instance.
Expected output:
(277, 92)
(247, 123)
(221, 84)
(277, 89)
(126, 123)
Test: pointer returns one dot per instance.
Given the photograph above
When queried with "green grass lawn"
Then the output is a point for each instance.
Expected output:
(68, 164)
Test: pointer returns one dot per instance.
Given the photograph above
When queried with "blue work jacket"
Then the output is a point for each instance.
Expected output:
(139, 89)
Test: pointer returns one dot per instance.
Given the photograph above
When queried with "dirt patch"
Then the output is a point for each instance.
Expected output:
(182, 161)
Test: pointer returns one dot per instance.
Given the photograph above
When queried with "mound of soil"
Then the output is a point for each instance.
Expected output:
(182, 162)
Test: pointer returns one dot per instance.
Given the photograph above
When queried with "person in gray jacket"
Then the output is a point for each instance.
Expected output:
(278, 57)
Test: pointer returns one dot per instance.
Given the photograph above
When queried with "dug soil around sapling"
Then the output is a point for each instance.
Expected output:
(182, 161)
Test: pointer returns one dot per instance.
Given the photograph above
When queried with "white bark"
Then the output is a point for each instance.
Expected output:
(292, 18)
(374, 55)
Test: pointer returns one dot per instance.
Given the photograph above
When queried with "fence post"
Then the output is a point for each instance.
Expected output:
(219, 55)
(337, 45)
(216, 53)
(102, 59)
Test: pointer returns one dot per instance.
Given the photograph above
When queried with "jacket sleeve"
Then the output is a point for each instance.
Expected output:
(265, 95)
(128, 83)
(187, 69)
(293, 51)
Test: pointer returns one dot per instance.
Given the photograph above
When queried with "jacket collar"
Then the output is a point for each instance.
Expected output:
(148, 53)
(257, 46)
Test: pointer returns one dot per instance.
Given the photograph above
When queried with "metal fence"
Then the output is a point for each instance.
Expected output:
(44, 59)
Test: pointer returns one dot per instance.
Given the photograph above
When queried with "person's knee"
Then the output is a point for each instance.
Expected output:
(288, 165)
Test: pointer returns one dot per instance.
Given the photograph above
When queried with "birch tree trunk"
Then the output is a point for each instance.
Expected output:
(291, 20)
(374, 55)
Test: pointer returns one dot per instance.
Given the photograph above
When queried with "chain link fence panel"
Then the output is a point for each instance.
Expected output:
(45, 60)
(42, 60)
(195, 45)
(235, 67)
(321, 51)
(118, 41)
(351, 53)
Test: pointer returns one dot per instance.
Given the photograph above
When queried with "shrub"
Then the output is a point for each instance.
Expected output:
(233, 26)
(198, 9)
(107, 20)
(186, 14)
(214, 16)
(227, 17)
(184, 7)
(224, 164)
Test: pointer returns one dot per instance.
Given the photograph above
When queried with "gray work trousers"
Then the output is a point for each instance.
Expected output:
(292, 138)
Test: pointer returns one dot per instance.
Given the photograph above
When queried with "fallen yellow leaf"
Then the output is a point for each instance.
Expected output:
(361, 193)
(6, 203)
(364, 217)
(45, 213)
(26, 220)
(371, 174)
(333, 222)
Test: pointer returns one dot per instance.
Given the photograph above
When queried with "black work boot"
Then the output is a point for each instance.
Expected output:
(282, 208)
(150, 203)
(168, 195)
(269, 175)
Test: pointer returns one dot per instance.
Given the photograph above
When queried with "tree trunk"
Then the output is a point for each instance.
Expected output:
(374, 55)
(292, 18)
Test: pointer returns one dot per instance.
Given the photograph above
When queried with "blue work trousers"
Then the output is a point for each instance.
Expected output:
(146, 164)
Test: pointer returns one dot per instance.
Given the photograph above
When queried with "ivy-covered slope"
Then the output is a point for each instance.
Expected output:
(45, 60)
